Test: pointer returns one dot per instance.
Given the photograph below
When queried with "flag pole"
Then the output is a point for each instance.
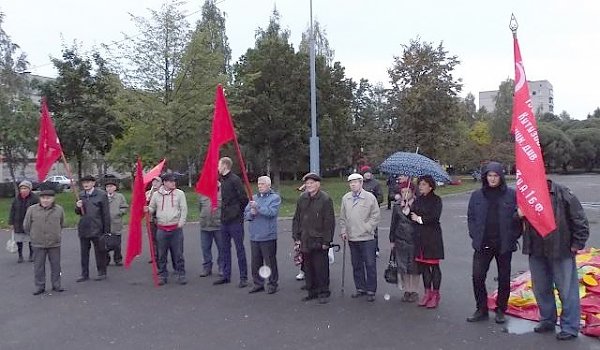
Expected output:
(152, 250)
(74, 187)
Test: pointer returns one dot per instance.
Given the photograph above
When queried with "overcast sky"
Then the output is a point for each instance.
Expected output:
(560, 40)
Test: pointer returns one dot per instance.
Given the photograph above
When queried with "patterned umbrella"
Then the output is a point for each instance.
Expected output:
(413, 164)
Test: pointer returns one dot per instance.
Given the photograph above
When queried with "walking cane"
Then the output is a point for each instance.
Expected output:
(343, 266)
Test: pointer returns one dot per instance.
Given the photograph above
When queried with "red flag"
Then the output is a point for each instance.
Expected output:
(221, 133)
(533, 197)
(138, 200)
(49, 149)
(154, 172)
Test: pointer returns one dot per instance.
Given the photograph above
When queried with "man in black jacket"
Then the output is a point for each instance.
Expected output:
(370, 184)
(93, 225)
(552, 262)
(312, 230)
(494, 228)
(233, 203)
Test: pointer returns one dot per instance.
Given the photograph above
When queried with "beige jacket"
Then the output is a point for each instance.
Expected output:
(169, 207)
(360, 217)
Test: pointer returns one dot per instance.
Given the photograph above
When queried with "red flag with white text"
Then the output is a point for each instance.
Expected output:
(533, 196)
(49, 149)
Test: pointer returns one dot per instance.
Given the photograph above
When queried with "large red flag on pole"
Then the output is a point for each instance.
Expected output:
(222, 132)
(154, 172)
(49, 149)
(533, 197)
(138, 201)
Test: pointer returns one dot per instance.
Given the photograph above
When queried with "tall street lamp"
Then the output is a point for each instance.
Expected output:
(314, 139)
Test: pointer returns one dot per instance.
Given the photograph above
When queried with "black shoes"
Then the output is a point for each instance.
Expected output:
(39, 291)
(221, 281)
(206, 273)
(500, 317)
(358, 294)
(478, 315)
(58, 289)
(323, 300)
(243, 283)
(272, 290)
(181, 280)
(544, 328)
(256, 289)
(82, 279)
(100, 277)
(162, 281)
(118, 263)
(20, 260)
(562, 335)
(309, 298)
(370, 298)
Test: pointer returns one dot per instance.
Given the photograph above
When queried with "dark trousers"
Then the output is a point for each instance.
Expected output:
(154, 241)
(114, 245)
(20, 249)
(364, 265)
(481, 266)
(99, 251)
(39, 266)
(234, 231)
(264, 253)
(316, 269)
(170, 241)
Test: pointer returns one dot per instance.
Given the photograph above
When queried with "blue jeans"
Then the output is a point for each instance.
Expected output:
(206, 239)
(364, 265)
(172, 241)
(562, 273)
(234, 231)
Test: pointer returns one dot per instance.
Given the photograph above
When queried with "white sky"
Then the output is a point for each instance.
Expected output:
(560, 40)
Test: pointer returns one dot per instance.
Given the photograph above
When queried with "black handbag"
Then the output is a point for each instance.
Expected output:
(112, 242)
(391, 272)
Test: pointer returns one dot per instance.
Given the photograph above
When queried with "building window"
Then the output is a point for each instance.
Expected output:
(533, 93)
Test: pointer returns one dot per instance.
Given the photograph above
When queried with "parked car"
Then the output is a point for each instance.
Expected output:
(62, 180)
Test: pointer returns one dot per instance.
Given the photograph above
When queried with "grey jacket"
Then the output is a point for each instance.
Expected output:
(117, 206)
(44, 225)
(210, 220)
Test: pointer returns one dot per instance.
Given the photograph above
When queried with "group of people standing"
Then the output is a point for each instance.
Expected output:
(495, 224)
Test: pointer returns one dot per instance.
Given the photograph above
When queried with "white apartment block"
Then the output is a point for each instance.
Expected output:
(542, 97)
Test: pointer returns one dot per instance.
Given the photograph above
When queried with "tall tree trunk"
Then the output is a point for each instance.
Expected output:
(275, 173)
(11, 169)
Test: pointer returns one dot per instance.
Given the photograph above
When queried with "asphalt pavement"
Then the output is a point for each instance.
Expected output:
(127, 312)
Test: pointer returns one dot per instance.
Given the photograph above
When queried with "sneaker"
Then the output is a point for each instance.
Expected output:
(300, 276)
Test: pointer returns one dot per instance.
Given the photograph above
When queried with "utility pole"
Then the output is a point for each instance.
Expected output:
(314, 139)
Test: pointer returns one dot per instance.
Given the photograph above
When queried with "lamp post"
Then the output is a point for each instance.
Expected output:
(314, 139)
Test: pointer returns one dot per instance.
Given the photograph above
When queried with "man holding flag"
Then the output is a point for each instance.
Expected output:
(556, 226)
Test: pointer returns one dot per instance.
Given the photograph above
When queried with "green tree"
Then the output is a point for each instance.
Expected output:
(271, 92)
(424, 98)
(557, 148)
(17, 112)
(480, 134)
(83, 100)
(587, 147)
(595, 114)
(502, 115)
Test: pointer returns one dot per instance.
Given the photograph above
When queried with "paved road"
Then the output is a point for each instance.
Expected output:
(127, 312)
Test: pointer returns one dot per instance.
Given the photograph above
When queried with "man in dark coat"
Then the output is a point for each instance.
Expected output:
(370, 184)
(233, 203)
(494, 229)
(93, 225)
(552, 262)
(312, 230)
(19, 207)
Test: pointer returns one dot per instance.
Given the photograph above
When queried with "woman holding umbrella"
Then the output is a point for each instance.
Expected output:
(426, 212)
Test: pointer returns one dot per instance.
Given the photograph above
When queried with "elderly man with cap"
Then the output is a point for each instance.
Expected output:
(312, 229)
(117, 206)
(371, 184)
(19, 206)
(44, 223)
(359, 217)
(93, 225)
(170, 207)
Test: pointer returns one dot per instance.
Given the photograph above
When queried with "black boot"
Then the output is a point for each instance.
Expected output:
(478, 315)
(20, 251)
(30, 253)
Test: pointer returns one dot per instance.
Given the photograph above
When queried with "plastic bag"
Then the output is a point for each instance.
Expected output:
(11, 245)
(331, 256)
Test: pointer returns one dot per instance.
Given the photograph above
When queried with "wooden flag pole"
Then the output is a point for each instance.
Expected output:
(152, 250)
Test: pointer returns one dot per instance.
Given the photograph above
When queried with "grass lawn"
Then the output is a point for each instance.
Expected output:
(336, 188)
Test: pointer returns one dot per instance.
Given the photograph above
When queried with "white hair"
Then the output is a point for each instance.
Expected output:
(265, 179)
